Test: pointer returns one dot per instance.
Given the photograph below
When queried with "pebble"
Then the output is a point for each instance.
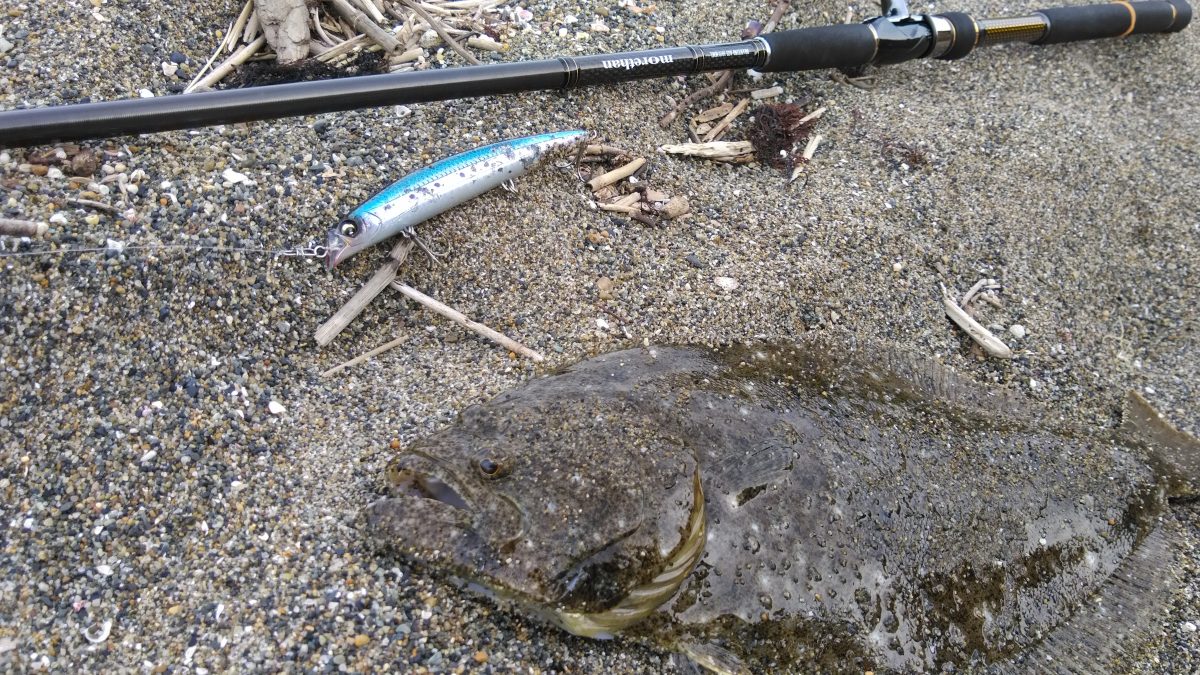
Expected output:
(276, 408)
(725, 283)
(1017, 330)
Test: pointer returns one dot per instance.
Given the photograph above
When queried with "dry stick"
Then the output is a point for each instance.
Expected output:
(990, 343)
(714, 88)
(728, 119)
(227, 67)
(92, 204)
(251, 27)
(458, 318)
(441, 31)
(365, 357)
(386, 275)
(371, 9)
(615, 175)
(238, 26)
(363, 24)
(22, 228)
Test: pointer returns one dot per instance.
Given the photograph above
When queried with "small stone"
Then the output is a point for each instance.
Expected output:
(361, 640)
(1017, 330)
(897, 267)
(174, 610)
(1189, 626)
(91, 219)
(430, 39)
(104, 570)
(169, 68)
(695, 261)
(276, 408)
(482, 657)
(605, 286)
(675, 207)
(725, 283)
(178, 57)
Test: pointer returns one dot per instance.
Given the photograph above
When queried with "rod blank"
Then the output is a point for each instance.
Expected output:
(893, 38)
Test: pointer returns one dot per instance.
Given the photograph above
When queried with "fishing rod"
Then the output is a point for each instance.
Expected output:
(895, 37)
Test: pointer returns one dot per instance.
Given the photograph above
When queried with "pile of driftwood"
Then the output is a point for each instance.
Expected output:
(409, 33)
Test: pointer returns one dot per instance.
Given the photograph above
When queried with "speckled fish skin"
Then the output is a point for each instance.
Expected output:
(865, 510)
(438, 187)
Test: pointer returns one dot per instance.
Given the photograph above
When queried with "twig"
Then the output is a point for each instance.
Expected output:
(727, 120)
(615, 175)
(88, 203)
(714, 88)
(990, 284)
(227, 67)
(371, 9)
(353, 307)
(458, 318)
(235, 31)
(441, 31)
(718, 150)
(620, 208)
(990, 343)
(811, 148)
(366, 357)
(22, 228)
(776, 15)
(364, 24)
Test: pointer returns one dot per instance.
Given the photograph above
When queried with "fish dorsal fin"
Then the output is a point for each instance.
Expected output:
(1174, 453)
(1121, 617)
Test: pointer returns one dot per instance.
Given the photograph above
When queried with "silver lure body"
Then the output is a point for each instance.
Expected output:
(438, 187)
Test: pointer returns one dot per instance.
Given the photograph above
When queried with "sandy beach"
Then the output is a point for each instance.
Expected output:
(179, 485)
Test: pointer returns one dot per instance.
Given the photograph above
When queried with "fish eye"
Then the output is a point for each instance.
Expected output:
(349, 228)
(490, 468)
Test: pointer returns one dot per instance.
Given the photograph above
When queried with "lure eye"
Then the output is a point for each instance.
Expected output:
(490, 468)
(349, 228)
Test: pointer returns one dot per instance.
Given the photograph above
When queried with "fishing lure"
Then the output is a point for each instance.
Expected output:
(424, 194)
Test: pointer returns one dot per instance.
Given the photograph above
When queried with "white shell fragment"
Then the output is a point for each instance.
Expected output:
(96, 635)
(725, 283)
(276, 408)
(235, 177)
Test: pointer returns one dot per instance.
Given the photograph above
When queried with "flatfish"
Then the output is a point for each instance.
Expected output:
(816, 506)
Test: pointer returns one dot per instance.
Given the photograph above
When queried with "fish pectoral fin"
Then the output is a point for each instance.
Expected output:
(1174, 453)
(706, 657)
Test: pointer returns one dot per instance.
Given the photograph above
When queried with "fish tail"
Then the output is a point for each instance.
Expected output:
(1174, 454)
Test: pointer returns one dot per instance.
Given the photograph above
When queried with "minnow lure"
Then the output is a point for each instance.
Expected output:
(424, 194)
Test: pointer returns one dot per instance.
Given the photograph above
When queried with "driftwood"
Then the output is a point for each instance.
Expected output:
(353, 307)
(285, 25)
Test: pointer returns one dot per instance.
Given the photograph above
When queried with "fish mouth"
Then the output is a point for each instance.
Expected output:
(644, 599)
(409, 483)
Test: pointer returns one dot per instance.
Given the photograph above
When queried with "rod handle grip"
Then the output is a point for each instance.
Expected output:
(1115, 19)
(843, 46)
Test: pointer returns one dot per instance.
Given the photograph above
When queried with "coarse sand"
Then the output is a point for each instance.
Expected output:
(159, 512)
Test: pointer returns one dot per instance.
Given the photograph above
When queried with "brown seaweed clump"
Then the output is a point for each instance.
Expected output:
(778, 129)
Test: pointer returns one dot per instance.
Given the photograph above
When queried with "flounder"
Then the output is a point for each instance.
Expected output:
(810, 507)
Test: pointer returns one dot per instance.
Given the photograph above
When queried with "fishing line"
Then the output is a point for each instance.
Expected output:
(292, 252)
